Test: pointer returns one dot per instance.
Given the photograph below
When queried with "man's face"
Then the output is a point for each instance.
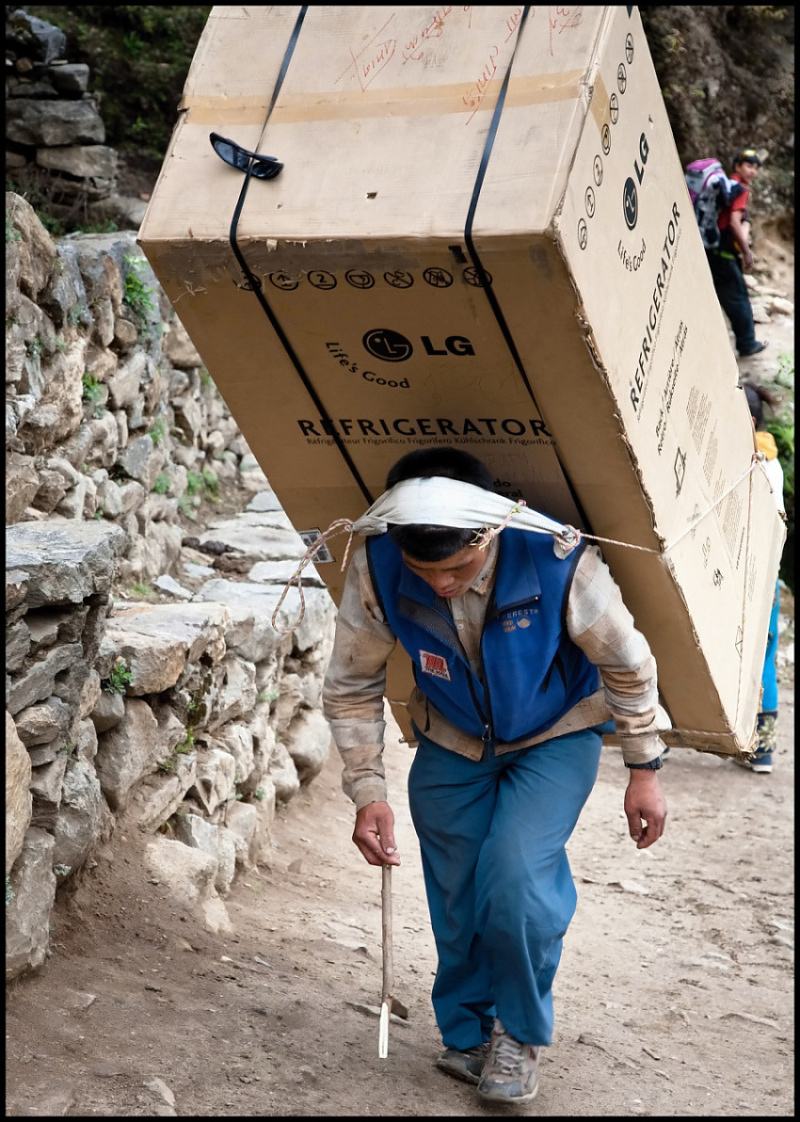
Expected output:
(746, 172)
(451, 576)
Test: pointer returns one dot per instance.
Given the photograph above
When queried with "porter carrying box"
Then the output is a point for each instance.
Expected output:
(480, 237)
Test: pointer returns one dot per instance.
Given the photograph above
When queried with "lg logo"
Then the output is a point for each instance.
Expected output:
(388, 345)
(630, 196)
(630, 203)
(391, 346)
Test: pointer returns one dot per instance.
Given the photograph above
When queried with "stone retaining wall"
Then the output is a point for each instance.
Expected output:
(54, 131)
(146, 686)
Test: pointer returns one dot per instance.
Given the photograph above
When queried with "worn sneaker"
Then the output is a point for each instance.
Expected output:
(761, 761)
(464, 1065)
(511, 1071)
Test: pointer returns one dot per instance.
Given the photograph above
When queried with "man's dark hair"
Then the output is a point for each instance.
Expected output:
(435, 543)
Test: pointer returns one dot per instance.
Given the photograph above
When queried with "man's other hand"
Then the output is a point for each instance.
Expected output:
(645, 807)
(374, 834)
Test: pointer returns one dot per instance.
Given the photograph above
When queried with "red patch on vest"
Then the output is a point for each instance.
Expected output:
(434, 664)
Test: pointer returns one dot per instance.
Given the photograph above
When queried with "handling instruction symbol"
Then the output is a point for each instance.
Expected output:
(473, 277)
(399, 278)
(359, 278)
(283, 281)
(438, 278)
(679, 468)
(322, 279)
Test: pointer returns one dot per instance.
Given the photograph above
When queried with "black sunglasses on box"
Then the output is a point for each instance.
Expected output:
(261, 167)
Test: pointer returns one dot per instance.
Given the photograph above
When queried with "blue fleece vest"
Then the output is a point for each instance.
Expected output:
(533, 672)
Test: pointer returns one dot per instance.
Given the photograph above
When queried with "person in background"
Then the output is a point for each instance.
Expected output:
(732, 258)
(761, 760)
(520, 657)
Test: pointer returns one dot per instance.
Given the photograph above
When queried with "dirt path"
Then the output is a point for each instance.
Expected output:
(674, 996)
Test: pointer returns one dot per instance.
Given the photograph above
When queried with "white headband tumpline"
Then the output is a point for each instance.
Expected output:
(438, 501)
(435, 501)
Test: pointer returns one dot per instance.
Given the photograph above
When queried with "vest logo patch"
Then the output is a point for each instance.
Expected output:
(519, 618)
(434, 664)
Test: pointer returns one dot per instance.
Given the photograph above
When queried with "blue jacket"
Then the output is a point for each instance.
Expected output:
(533, 673)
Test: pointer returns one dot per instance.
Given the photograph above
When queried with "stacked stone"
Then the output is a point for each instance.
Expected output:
(198, 717)
(109, 413)
(53, 127)
(58, 580)
(177, 708)
(218, 724)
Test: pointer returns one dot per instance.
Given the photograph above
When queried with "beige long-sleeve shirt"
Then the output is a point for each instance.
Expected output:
(597, 621)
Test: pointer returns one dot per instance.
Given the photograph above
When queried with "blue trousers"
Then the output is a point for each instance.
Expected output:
(769, 675)
(492, 835)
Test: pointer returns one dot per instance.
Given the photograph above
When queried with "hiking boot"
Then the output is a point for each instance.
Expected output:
(511, 1071)
(464, 1065)
(756, 349)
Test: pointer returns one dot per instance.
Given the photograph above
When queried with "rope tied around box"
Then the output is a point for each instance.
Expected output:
(422, 502)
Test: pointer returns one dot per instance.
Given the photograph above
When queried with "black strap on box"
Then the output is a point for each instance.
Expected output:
(254, 284)
(482, 275)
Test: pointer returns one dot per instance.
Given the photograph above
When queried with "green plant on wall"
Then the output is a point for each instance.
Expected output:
(186, 508)
(79, 314)
(137, 295)
(120, 677)
(194, 483)
(187, 744)
(203, 483)
(92, 392)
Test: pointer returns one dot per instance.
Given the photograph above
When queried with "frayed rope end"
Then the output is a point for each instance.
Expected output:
(340, 526)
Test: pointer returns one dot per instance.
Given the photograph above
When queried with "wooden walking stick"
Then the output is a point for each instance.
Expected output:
(386, 994)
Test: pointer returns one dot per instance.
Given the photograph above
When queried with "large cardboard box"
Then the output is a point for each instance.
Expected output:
(513, 270)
